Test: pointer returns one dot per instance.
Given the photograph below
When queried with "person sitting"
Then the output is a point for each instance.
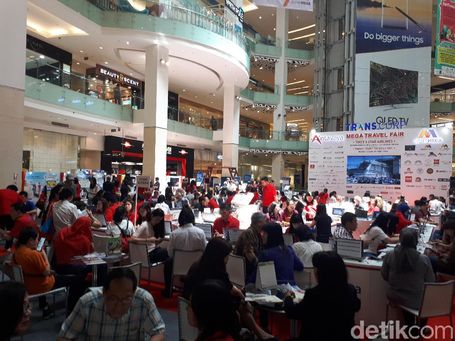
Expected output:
(295, 222)
(376, 234)
(64, 213)
(8, 197)
(16, 312)
(306, 247)
(422, 215)
(406, 270)
(436, 207)
(212, 201)
(288, 212)
(118, 311)
(120, 226)
(442, 255)
(347, 227)
(212, 310)
(72, 241)
(30, 207)
(327, 310)
(226, 221)
(203, 203)
(272, 215)
(110, 210)
(186, 238)
(38, 276)
(130, 210)
(162, 204)
(21, 221)
(401, 212)
(309, 209)
(249, 244)
(323, 224)
(151, 232)
(284, 257)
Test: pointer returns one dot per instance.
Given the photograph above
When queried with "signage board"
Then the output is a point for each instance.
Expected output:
(143, 181)
(444, 61)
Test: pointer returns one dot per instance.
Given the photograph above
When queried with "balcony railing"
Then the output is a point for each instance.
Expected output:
(189, 12)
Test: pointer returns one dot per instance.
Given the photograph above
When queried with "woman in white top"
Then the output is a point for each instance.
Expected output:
(121, 226)
(306, 247)
(92, 190)
(162, 205)
(151, 232)
(376, 234)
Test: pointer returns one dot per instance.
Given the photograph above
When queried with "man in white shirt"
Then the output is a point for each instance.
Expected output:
(64, 213)
(436, 206)
(186, 238)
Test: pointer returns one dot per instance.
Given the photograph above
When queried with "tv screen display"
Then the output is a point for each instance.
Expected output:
(391, 86)
(374, 169)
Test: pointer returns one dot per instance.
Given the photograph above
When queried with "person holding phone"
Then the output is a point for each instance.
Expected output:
(38, 276)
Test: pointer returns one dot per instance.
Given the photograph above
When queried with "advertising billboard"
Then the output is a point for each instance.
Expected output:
(444, 61)
(413, 162)
(393, 59)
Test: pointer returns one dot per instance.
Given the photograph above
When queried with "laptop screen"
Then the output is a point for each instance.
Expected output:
(337, 211)
(167, 227)
(349, 248)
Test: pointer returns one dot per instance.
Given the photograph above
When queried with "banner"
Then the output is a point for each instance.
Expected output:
(393, 59)
(444, 61)
(302, 5)
(411, 162)
(35, 182)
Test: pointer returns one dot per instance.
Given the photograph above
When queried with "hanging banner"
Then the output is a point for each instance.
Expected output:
(393, 59)
(444, 61)
(302, 5)
(412, 162)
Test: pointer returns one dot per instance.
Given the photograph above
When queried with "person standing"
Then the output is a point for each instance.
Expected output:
(268, 194)
(64, 212)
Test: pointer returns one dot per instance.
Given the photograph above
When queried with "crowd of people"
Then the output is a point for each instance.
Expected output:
(217, 307)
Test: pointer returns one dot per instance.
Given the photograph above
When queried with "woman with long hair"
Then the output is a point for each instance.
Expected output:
(284, 257)
(327, 310)
(309, 209)
(92, 190)
(323, 224)
(377, 233)
(288, 212)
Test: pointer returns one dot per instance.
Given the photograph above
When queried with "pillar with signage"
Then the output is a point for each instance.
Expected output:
(233, 11)
(13, 15)
(155, 116)
(281, 78)
(231, 123)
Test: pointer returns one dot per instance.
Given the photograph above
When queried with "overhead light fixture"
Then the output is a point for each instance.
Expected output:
(302, 29)
(77, 63)
(127, 42)
(41, 56)
(81, 51)
(248, 6)
(138, 5)
(100, 47)
(183, 90)
(297, 82)
(301, 93)
(260, 17)
(303, 37)
(106, 63)
(442, 77)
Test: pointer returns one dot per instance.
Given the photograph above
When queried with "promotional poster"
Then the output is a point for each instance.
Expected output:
(393, 61)
(444, 61)
(412, 162)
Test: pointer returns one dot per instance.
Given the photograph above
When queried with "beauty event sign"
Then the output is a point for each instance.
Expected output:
(414, 162)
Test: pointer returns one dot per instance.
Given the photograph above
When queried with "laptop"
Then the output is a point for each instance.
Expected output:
(167, 228)
(349, 248)
(232, 234)
(207, 228)
(337, 211)
(359, 213)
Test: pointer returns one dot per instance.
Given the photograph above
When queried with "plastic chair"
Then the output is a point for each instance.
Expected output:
(266, 276)
(182, 261)
(139, 254)
(437, 301)
(18, 276)
(135, 267)
(186, 331)
(236, 269)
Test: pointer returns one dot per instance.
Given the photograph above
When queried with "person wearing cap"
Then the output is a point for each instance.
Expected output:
(8, 197)
(402, 209)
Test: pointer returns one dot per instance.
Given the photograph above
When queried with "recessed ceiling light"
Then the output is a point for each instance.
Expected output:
(127, 42)
(131, 73)
(195, 96)
(260, 17)
(211, 102)
(41, 56)
(106, 63)
(100, 47)
(183, 90)
(78, 63)
(81, 51)
(274, 29)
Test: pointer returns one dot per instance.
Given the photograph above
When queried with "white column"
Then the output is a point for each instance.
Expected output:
(155, 116)
(231, 123)
(281, 79)
(13, 14)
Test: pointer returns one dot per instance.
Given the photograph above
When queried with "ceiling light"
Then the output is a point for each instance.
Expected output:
(81, 51)
(297, 82)
(183, 90)
(78, 63)
(138, 5)
(260, 68)
(249, 6)
(41, 56)
(162, 61)
(106, 63)
(100, 47)
(303, 37)
(302, 29)
(260, 17)
(442, 77)
(127, 42)
(131, 73)
(301, 93)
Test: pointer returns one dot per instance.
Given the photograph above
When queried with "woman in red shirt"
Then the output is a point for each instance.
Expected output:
(402, 221)
(310, 208)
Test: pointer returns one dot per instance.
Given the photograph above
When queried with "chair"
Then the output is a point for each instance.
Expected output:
(139, 254)
(136, 267)
(266, 276)
(18, 276)
(443, 277)
(437, 300)
(236, 270)
(288, 239)
(100, 243)
(182, 261)
(186, 331)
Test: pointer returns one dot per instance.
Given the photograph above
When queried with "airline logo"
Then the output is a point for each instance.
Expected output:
(320, 139)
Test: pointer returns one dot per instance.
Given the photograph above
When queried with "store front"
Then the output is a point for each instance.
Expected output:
(125, 156)
(115, 87)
